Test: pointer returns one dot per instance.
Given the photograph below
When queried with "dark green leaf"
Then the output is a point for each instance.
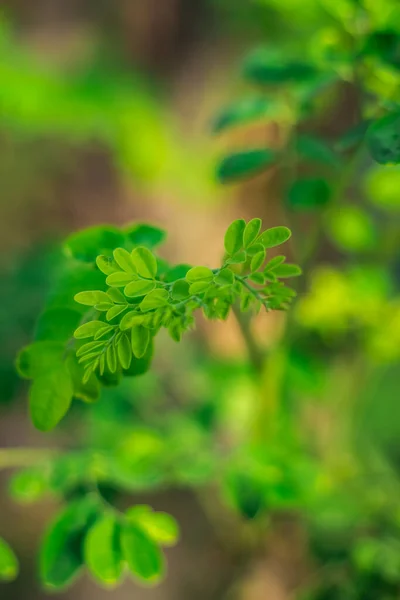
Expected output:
(50, 397)
(266, 67)
(57, 324)
(87, 244)
(244, 164)
(383, 139)
(244, 111)
(145, 235)
(309, 194)
(316, 150)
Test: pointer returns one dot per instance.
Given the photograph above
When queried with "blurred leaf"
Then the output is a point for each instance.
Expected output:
(243, 112)
(142, 234)
(382, 186)
(86, 245)
(144, 558)
(159, 526)
(102, 551)
(266, 67)
(39, 358)
(354, 136)
(309, 194)
(383, 139)
(57, 324)
(28, 485)
(316, 150)
(244, 164)
(8, 562)
(50, 397)
(352, 229)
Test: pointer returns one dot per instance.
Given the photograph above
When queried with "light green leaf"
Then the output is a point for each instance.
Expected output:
(160, 526)
(244, 164)
(124, 259)
(111, 358)
(180, 290)
(274, 236)
(258, 278)
(89, 347)
(286, 270)
(225, 277)
(106, 265)
(199, 274)
(8, 562)
(237, 259)
(88, 330)
(39, 358)
(116, 296)
(199, 287)
(141, 234)
(103, 331)
(130, 319)
(352, 229)
(124, 351)
(233, 240)
(114, 311)
(120, 279)
(135, 289)
(28, 485)
(91, 298)
(155, 299)
(145, 262)
(140, 339)
(50, 397)
(274, 262)
(257, 261)
(251, 232)
(104, 306)
(102, 551)
(144, 558)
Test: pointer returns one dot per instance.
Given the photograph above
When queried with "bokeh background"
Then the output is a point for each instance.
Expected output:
(106, 111)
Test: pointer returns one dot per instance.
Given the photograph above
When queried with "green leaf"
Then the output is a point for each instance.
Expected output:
(50, 397)
(141, 234)
(245, 111)
(274, 262)
(180, 290)
(88, 391)
(115, 311)
(106, 264)
(251, 232)
(87, 244)
(257, 261)
(286, 270)
(104, 306)
(140, 339)
(145, 262)
(28, 485)
(130, 319)
(258, 278)
(124, 351)
(116, 296)
(139, 288)
(309, 194)
(316, 150)
(382, 186)
(39, 358)
(274, 236)
(268, 67)
(111, 358)
(61, 549)
(225, 277)
(353, 136)
(155, 299)
(244, 164)
(254, 249)
(120, 279)
(144, 558)
(383, 139)
(140, 366)
(102, 551)
(199, 287)
(91, 298)
(8, 562)
(124, 260)
(199, 274)
(88, 330)
(57, 324)
(159, 526)
(233, 240)
(103, 331)
(237, 259)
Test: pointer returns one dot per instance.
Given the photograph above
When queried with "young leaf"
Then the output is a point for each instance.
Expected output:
(89, 347)
(114, 311)
(180, 290)
(124, 351)
(88, 330)
(251, 232)
(155, 299)
(106, 265)
(116, 296)
(274, 236)
(144, 558)
(120, 279)
(160, 526)
(103, 331)
(135, 289)
(237, 259)
(286, 270)
(8, 562)
(102, 551)
(91, 298)
(50, 397)
(233, 241)
(199, 274)
(199, 287)
(140, 339)
(130, 319)
(274, 262)
(104, 306)
(145, 262)
(124, 259)
(257, 261)
(111, 358)
(225, 277)
(258, 278)
(244, 164)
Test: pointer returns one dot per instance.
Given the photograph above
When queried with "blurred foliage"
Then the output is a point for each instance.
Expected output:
(308, 426)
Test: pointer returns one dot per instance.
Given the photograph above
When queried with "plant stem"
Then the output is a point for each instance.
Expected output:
(23, 457)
